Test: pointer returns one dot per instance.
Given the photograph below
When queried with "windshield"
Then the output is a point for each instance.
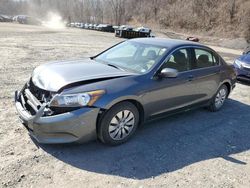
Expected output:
(133, 56)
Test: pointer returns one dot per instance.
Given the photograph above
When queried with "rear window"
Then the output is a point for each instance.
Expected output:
(205, 58)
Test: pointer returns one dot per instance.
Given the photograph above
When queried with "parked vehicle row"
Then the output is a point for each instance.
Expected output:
(98, 27)
(123, 31)
(22, 19)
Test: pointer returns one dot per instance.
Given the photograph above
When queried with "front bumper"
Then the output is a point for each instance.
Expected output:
(75, 126)
(242, 74)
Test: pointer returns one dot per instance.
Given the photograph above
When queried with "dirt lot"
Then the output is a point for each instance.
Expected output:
(192, 149)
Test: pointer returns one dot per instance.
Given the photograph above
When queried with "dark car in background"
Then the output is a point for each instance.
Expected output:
(242, 66)
(107, 96)
(24, 19)
(105, 28)
(5, 18)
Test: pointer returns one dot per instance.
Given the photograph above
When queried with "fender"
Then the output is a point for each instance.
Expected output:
(227, 81)
(120, 99)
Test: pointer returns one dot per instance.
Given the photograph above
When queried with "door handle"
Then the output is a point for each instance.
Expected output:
(190, 77)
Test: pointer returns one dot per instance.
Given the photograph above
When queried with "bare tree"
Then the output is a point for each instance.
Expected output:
(118, 9)
(232, 9)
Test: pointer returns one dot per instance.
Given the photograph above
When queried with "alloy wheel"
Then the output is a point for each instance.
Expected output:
(121, 125)
(220, 98)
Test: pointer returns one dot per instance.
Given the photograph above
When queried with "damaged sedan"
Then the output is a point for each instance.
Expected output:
(109, 95)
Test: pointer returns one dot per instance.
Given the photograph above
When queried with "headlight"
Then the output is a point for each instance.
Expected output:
(77, 100)
(238, 63)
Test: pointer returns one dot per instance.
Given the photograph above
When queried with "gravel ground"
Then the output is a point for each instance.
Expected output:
(192, 149)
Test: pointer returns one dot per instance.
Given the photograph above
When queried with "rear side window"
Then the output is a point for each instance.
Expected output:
(205, 59)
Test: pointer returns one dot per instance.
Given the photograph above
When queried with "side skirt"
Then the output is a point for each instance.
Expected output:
(177, 111)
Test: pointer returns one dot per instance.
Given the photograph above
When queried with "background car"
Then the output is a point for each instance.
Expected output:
(5, 18)
(24, 19)
(242, 66)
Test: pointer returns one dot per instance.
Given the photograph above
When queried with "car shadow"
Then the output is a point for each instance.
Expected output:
(167, 144)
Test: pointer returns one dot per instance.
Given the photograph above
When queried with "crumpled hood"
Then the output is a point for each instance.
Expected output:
(55, 75)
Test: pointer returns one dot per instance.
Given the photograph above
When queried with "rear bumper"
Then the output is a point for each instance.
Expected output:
(74, 126)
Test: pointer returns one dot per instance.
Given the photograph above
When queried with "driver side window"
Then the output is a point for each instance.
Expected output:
(179, 60)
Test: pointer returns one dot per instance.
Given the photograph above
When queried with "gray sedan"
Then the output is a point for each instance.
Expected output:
(108, 95)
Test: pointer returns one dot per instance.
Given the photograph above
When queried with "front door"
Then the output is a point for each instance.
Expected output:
(168, 94)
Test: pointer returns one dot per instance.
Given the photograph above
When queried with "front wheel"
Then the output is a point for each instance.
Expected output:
(219, 99)
(118, 124)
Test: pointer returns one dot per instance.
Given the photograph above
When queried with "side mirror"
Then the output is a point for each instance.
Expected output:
(168, 73)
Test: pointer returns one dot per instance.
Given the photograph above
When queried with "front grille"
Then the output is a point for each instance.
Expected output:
(40, 94)
(32, 97)
(24, 102)
(60, 110)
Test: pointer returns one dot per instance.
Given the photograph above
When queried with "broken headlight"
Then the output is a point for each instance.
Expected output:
(77, 100)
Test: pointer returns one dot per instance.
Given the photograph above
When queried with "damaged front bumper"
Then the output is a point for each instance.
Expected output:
(74, 126)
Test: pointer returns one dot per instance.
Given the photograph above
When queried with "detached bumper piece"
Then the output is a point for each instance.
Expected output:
(75, 126)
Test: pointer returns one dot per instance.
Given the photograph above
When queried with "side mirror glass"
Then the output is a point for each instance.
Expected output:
(168, 73)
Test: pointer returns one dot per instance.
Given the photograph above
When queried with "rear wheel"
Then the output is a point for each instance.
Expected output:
(118, 124)
(219, 99)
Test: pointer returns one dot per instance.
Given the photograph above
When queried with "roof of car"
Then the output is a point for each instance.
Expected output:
(169, 43)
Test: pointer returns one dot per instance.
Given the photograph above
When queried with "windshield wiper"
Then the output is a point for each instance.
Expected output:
(109, 64)
(112, 65)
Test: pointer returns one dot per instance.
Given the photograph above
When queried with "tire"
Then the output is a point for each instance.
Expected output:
(219, 99)
(118, 124)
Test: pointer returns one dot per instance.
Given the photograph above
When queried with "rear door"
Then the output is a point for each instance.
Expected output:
(205, 71)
